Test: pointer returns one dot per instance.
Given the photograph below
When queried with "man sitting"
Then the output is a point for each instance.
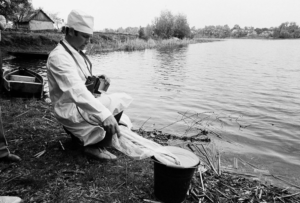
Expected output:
(90, 120)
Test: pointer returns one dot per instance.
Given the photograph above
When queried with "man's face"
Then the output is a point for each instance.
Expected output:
(81, 40)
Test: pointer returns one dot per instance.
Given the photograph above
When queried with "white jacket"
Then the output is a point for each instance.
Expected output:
(67, 90)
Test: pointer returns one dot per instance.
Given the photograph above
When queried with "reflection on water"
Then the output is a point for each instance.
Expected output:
(169, 73)
(251, 87)
(34, 64)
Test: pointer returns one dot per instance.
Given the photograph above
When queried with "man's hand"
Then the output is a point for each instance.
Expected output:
(111, 126)
(107, 79)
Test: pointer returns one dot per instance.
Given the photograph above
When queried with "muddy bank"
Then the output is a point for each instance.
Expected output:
(28, 42)
(55, 170)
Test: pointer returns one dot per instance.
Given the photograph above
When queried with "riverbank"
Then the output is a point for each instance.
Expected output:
(139, 44)
(29, 42)
(53, 169)
(13, 41)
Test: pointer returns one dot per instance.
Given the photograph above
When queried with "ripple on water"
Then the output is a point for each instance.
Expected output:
(253, 82)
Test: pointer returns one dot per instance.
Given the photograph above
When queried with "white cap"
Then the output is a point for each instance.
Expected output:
(81, 21)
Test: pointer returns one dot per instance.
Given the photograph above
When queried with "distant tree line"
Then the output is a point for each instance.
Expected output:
(166, 26)
(284, 31)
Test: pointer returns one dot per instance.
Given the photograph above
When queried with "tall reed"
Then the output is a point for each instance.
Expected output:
(136, 44)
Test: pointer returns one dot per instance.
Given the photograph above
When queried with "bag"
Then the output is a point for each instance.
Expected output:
(92, 84)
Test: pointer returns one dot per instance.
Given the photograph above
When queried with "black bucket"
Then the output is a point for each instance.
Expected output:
(171, 183)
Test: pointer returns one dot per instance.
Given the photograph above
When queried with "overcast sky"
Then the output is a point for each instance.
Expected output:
(134, 13)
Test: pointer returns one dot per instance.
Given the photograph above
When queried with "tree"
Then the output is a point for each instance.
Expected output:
(284, 34)
(236, 27)
(209, 31)
(4, 7)
(193, 31)
(286, 30)
(297, 33)
(163, 25)
(142, 33)
(23, 10)
(292, 27)
(226, 31)
(146, 32)
(108, 30)
(258, 30)
(149, 32)
(181, 27)
(120, 30)
(16, 9)
(132, 30)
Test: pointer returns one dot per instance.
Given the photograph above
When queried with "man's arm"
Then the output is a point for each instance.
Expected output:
(73, 88)
(63, 71)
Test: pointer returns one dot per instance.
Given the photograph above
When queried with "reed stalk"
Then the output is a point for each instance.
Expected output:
(135, 44)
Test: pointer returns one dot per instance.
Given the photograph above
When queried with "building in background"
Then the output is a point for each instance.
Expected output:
(35, 20)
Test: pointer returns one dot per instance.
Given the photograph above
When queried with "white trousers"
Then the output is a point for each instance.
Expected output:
(89, 134)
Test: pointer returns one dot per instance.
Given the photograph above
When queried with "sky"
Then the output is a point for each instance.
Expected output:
(200, 13)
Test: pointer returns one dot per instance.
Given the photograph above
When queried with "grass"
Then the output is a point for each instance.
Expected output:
(45, 42)
(63, 174)
(139, 44)
(29, 42)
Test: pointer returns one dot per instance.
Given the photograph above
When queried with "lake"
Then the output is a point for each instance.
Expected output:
(245, 91)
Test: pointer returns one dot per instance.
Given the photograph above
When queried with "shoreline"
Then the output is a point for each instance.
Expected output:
(45, 42)
(62, 173)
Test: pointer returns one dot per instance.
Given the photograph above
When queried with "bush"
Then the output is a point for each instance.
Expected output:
(181, 27)
(164, 25)
(167, 26)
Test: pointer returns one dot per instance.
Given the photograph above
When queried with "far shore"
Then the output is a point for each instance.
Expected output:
(45, 42)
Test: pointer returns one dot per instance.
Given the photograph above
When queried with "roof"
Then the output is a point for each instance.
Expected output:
(31, 14)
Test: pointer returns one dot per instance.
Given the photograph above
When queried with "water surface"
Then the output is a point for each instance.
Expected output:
(248, 89)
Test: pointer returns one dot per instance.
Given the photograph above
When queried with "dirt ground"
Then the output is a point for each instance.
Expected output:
(53, 169)
(62, 173)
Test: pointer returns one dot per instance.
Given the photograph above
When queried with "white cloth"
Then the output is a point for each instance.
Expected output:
(137, 147)
(81, 21)
(67, 90)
